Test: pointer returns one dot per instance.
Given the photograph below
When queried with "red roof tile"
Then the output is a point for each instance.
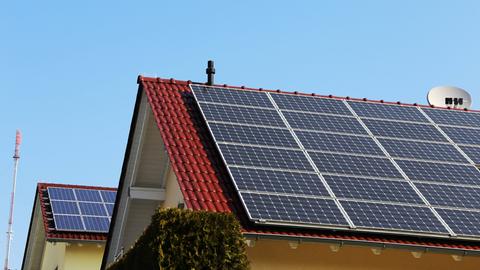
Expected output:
(204, 181)
(47, 216)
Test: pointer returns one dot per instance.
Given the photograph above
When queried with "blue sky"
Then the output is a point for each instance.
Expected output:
(68, 69)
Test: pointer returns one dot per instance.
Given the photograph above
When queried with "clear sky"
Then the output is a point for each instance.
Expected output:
(68, 69)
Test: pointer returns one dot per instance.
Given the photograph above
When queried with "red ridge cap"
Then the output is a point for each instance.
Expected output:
(163, 80)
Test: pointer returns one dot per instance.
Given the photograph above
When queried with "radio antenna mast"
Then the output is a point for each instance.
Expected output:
(16, 157)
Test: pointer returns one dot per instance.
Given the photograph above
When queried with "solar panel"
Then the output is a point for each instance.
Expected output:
(291, 209)
(250, 98)
(278, 181)
(88, 195)
(108, 196)
(423, 150)
(265, 157)
(68, 223)
(81, 210)
(451, 196)
(324, 123)
(309, 104)
(463, 135)
(462, 222)
(393, 112)
(253, 135)
(337, 176)
(96, 224)
(61, 194)
(64, 207)
(92, 209)
(388, 216)
(372, 189)
(338, 143)
(404, 130)
(355, 165)
(439, 172)
(231, 114)
(454, 117)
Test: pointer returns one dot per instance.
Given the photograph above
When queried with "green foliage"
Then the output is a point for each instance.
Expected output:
(184, 239)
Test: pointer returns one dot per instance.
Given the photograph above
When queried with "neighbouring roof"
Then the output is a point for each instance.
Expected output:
(51, 232)
(205, 183)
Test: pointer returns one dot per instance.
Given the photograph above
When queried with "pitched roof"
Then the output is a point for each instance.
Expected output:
(47, 216)
(205, 183)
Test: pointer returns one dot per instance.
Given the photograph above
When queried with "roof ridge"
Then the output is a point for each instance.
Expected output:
(175, 81)
(45, 185)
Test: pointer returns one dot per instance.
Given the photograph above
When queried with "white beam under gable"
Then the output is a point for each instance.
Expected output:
(146, 193)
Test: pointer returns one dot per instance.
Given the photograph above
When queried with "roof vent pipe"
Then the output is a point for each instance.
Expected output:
(210, 73)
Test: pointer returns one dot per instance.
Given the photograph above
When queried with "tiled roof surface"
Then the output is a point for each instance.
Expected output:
(203, 179)
(47, 216)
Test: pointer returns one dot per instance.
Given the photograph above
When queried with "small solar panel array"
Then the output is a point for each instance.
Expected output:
(309, 161)
(81, 210)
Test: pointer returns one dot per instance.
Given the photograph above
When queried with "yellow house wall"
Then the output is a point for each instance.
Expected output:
(277, 254)
(53, 256)
(83, 257)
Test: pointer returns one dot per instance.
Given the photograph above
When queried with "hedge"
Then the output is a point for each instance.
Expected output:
(185, 239)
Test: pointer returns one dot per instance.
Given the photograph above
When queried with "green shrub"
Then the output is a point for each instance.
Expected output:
(184, 239)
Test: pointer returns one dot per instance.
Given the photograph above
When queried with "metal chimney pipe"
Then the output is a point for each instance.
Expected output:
(210, 73)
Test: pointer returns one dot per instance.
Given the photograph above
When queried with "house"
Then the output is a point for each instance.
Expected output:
(68, 227)
(173, 160)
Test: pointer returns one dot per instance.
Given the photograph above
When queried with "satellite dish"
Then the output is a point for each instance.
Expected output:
(449, 96)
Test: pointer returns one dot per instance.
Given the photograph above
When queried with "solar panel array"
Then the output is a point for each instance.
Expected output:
(321, 162)
(81, 210)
